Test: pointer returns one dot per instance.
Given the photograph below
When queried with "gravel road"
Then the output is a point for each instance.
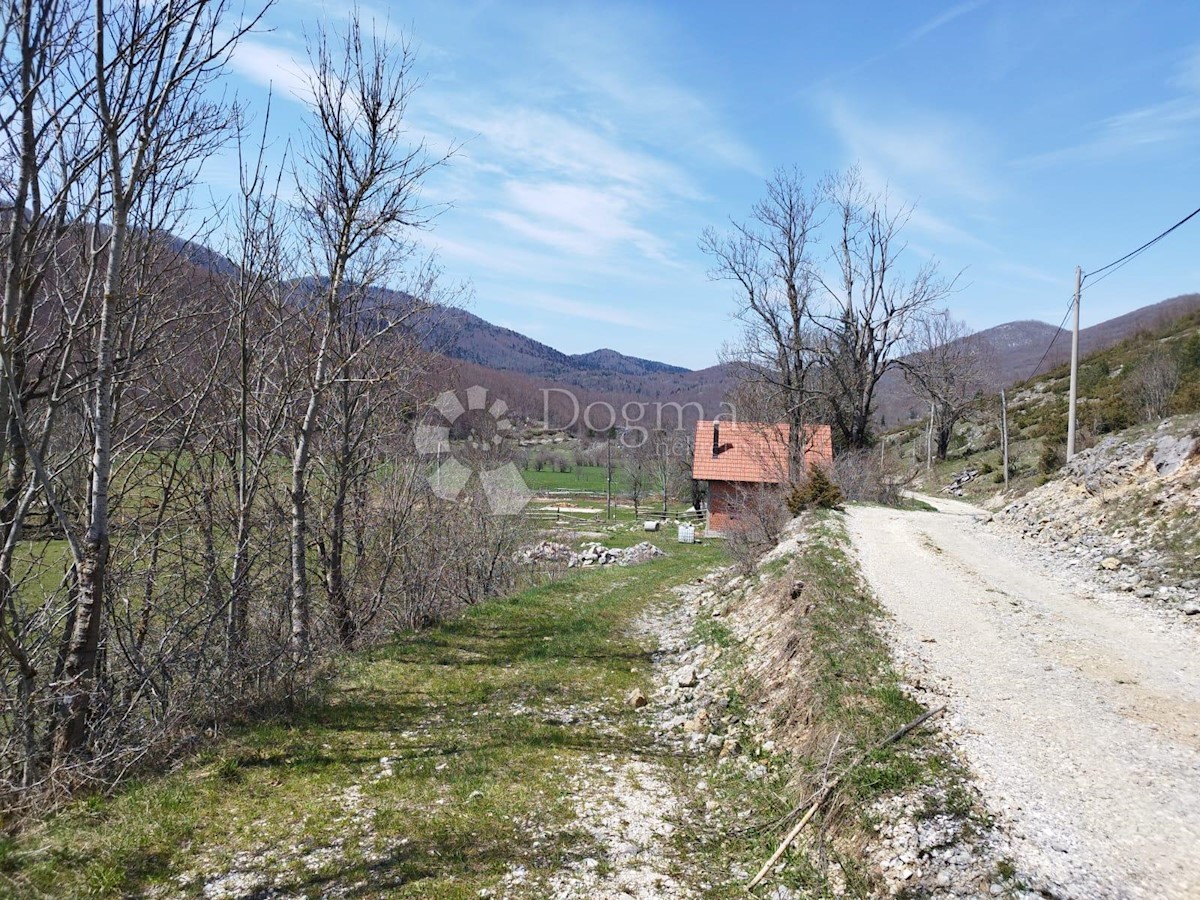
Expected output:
(1078, 709)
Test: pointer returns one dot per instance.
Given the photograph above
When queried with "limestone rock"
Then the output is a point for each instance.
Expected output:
(687, 677)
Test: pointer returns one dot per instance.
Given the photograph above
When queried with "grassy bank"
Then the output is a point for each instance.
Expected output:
(828, 690)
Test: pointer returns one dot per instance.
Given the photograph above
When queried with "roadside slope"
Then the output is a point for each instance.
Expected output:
(1079, 711)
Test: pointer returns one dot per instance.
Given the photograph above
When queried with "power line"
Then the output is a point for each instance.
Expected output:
(1117, 263)
(1104, 271)
(1057, 332)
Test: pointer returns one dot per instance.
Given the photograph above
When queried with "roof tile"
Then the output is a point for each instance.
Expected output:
(753, 451)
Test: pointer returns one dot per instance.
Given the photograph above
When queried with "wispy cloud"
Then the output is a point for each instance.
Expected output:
(1170, 121)
(578, 309)
(274, 66)
(1186, 76)
(943, 19)
(922, 30)
(1030, 273)
(600, 149)
(944, 231)
(616, 65)
(922, 152)
(582, 220)
(545, 142)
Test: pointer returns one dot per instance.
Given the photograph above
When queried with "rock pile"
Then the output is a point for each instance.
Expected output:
(592, 554)
(638, 553)
(545, 552)
(1124, 514)
(691, 710)
(955, 486)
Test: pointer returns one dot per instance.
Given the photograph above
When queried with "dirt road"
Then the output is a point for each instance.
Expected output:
(1080, 711)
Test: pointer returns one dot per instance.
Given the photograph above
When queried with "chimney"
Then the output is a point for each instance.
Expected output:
(716, 438)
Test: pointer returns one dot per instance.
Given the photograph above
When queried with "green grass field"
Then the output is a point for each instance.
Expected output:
(580, 478)
(423, 773)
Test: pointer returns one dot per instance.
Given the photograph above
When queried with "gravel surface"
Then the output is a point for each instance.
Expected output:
(1079, 709)
(629, 807)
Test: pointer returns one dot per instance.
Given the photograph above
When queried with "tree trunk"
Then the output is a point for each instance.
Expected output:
(300, 608)
(79, 664)
(335, 576)
(83, 642)
(238, 612)
(943, 431)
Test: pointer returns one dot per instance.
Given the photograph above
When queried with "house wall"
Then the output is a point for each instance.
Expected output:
(722, 496)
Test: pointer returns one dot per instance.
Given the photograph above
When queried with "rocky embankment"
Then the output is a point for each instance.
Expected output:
(1125, 513)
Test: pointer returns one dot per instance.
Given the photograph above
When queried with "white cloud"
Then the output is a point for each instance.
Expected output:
(943, 19)
(1170, 121)
(1030, 273)
(617, 64)
(560, 305)
(541, 141)
(1187, 74)
(945, 231)
(924, 153)
(584, 220)
(274, 67)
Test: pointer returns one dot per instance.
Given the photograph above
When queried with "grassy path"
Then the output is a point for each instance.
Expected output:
(439, 766)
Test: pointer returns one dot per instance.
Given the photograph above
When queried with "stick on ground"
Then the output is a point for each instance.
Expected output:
(823, 794)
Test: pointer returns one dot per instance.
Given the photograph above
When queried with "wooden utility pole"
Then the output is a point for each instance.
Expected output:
(1074, 368)
(1004, 433)
(929, 442)
(608, 489)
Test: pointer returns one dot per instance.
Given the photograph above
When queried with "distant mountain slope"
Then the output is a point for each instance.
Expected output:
(1017, 347)
(528, 367)
(612, 361)
(465, 336)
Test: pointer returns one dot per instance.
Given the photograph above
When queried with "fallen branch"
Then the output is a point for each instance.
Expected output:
(818, 800)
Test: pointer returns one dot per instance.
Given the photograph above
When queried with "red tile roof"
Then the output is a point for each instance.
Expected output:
(753, 451)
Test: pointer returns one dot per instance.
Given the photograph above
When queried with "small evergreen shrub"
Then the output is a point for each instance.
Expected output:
(815, 491)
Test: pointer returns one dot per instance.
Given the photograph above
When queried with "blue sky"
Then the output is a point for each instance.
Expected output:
(600, 139)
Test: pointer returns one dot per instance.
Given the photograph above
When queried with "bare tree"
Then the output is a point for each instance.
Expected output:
(1152, 385)
(45, 150)
(378, 388)
(768, 260)
(760, 515)
(868, 308)
(359, 179)
(945, 366)
(258, 317)
(635, 467)
(664, 450)
(149, 389)
(151, 68)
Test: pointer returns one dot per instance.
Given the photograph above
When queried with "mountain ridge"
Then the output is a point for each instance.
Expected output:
(527, 367)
